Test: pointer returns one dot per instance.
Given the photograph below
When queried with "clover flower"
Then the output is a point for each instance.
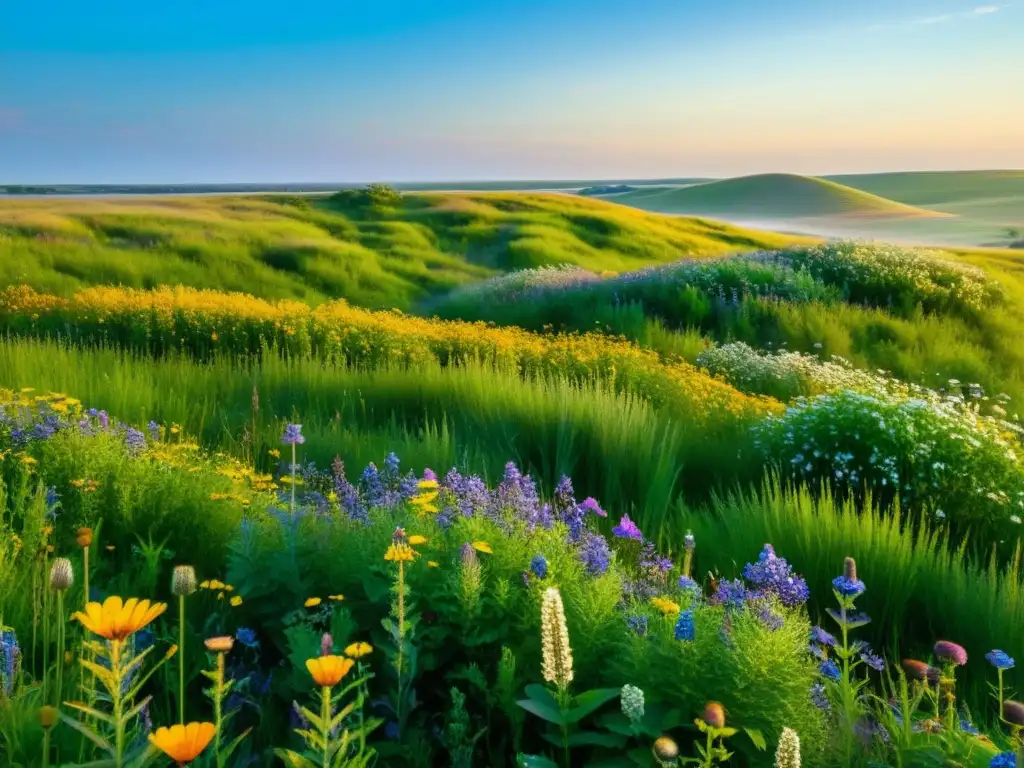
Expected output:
(556, 665)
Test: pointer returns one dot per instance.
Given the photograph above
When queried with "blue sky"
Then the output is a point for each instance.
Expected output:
(406, 90)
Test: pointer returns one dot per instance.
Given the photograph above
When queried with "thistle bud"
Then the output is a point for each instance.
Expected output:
(714, 715)
(48, 716)
(850, 569)
(326, 644)
(183, 583)
(1013, 712)
(665, 750)
(83, 537)
(62, 574)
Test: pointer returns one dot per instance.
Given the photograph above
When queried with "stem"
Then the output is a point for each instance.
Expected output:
(325, 717)
(46, 748)
(400, 662)
(181, 659)
(292, 473)
(35, 610)
(999, 672)
(217, 707)
(115, 668)
(46, 630)
(60, 643)
(709, 754)
(85, 681)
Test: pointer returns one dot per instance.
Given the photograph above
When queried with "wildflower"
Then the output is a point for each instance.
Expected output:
(848, 585)
(819, 698)
(557, 653)
(829, 669)
(183, 743)
(1004, 760)
(483, 546)
(627, 529)
(774, 574)
(327, 671)
(873, 660)
(293, 435)
(274, 453)
(918, 670)
(632, 699)
(62, 575)
(999, 659)
(358, 650)
(684, 630)
(714, 715)
(48, 716)
(83, 537)
(336, 598)
(312, 602)
(665, 605)
(326, 644)
(819, 635)
(731, 594)
(431, 564)
(236, 601)
(183, 583)
(1013, 712)
(221, 644)
(638, 624)
(686, 584)
(247, 637)
(595, 554)
(115, 619)
(400, 553)
(590, 505)
(539, 566)
(665, 750)
(787, 755)
(416, 540)
(951, 652)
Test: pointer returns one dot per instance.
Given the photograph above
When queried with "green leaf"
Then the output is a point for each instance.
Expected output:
(541, 694)
(757, 737)
(596, 739)
(589, 702)
(535, 761)
(225, 752)
(92, 736)
(293, 759)
(543, 711)
(616, 722)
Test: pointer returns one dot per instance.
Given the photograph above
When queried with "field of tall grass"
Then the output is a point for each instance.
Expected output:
(755, 509)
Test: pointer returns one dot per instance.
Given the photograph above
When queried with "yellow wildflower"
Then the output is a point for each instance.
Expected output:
(313, 602)
(417, 539)
(336, 597)
(236, 601)
(483, 546)
(400, 553)
(275, 453)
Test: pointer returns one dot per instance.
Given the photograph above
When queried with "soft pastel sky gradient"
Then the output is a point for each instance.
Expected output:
(410, 90)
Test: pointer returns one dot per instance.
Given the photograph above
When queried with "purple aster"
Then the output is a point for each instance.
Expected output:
(293, 435)
(731, 594)
(829, 669)
(684, 630)
(627, 529)
(595, 554)
(999, 659)
(590, 505)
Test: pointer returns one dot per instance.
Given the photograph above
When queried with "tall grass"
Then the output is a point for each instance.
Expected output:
(635, 457)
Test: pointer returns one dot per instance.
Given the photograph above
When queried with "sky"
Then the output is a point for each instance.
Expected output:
(440, 90)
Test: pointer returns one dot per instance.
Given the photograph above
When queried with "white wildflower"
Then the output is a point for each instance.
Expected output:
(556, 664)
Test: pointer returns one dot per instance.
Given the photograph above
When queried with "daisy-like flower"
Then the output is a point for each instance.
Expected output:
(312, 602)
(327, 671)
(358, 650)
(236, 601)
(116, 619)
(183, 743)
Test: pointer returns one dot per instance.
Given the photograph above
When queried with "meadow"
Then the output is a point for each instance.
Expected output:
(617, 489)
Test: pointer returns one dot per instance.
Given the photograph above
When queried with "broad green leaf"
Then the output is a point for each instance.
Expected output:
(589, 702)
(293, 759)
(542, 694)
(91, 735)
(543, 711)
(757, 737)
(596, 739)
(535, 761)
(103, 717)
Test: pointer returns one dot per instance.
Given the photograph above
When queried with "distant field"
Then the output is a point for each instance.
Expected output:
(316, 248)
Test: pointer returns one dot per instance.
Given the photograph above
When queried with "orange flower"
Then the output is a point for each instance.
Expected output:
(221, 644)
(116, 619)
(327, 671)
(183, 743)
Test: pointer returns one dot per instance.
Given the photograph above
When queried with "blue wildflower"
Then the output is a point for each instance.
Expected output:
(595, 554)
(638, 624)
(731, 594)
(52, 502)
(829, 669)
(817, 651)
(1004, 760)
(154, 431)
(686, 584)
(873, 660)
(293, 435)
(684, 630)
(819, 635)
(10, 661)
(772, 573)
(649, 558)
(771, 619)
(135, 440)
(539, 566)
(819, 697)
(391, 731)
(247, 637)
(1000, 659)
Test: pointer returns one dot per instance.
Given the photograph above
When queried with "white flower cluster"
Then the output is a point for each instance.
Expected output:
(556, 653)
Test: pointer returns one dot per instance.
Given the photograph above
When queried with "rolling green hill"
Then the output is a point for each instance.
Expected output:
(936, 188)
(316, 248)
(770, 196)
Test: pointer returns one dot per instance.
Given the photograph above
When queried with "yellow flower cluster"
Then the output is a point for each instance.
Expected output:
(666, 606)
(184, 318)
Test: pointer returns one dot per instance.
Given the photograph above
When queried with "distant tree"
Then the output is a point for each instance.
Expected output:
(383, 196)
(1013, 233)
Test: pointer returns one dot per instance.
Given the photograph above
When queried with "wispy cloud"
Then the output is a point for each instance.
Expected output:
(943, 18)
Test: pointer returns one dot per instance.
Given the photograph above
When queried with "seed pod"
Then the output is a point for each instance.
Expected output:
(62, 574)
(183, 583)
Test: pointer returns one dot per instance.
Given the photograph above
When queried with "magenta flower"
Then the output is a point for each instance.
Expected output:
(627, 529)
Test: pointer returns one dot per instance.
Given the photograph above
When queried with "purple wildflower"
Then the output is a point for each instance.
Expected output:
(819, 635)
(649, 558)
(771, 619)
(293, 435)
(134, 440)
(819, 697)
(638, 624)
(627, 529)
(595, 554)
(154, 431)
(686, 584)
(731, 594)
(590, 505)
(772, 573)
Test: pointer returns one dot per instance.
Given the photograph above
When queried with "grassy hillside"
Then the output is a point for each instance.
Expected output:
(318, 248)
(770, 196)
(937, 187)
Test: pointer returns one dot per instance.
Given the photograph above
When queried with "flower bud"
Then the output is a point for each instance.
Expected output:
(83, 536)
(221, 644)
(62, 574)
(665, 749)
(850, 569)
(326, 644)
(48, 716)
(714, 715)
(1013, 712)
(183, 582)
